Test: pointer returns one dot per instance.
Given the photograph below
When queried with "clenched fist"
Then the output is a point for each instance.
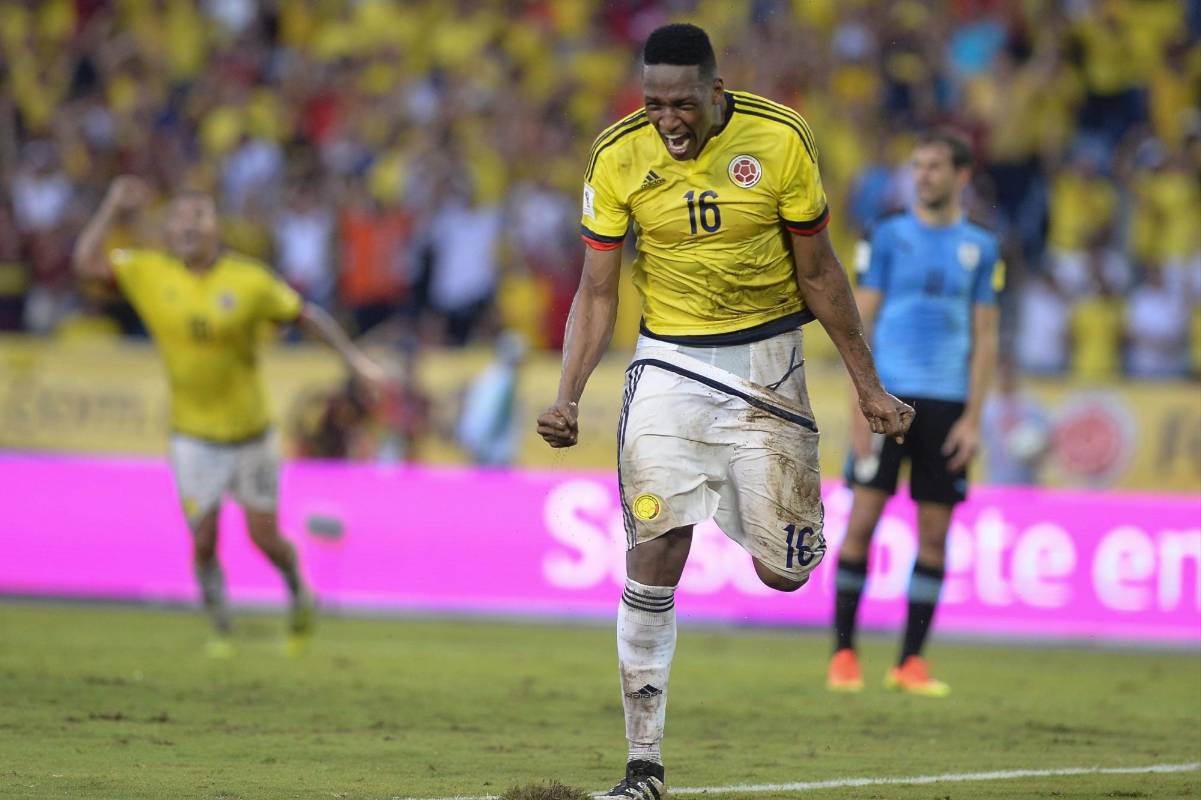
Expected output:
(559, 424)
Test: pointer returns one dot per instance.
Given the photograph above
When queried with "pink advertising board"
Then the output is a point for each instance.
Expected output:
(1024, 563)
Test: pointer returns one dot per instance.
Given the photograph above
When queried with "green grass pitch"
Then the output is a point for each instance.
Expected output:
(104, 702)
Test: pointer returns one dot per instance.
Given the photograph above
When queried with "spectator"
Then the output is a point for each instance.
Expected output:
(1017, 433)
(544, 245)
(1105, 43)
(14, 275)
(376, 259)
(463, 241)
(1096, 323)
(334, 425)
(405, 414)
(1195, 342)
(1042, 333)
(303, 234)
(1083, 206)
(41, 192)
(1167, 206)
(489, 427)
(1157, 329)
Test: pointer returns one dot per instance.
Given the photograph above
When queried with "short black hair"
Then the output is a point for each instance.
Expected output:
(682, 45)
(961, 151)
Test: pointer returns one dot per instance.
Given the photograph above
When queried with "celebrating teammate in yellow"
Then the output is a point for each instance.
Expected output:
(724, 194)
(203, 306)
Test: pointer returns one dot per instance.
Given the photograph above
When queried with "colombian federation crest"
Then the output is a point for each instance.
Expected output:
(969, 255)
(745, 171)
(647, 506)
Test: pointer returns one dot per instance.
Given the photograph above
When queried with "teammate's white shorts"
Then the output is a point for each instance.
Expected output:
(205, 471)
(723, 433)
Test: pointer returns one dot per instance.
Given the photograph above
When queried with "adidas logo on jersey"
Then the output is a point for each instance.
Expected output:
(652, 180)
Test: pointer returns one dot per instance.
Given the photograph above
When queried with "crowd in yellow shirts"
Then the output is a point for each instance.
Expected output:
(420, 161)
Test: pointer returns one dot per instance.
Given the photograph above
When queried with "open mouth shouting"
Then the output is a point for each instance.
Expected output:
(678, 144)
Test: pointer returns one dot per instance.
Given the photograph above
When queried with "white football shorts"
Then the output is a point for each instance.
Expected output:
(205, 471)
(723, 433)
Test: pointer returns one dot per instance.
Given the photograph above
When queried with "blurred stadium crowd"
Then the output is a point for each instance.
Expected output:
(420, 161)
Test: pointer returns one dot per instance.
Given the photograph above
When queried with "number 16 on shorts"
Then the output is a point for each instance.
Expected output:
(803, 546)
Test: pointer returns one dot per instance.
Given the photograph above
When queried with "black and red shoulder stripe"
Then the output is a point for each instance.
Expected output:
(810, 227)
(600, 241)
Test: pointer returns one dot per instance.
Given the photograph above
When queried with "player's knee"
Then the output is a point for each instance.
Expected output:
(782, 584)
(774, 580)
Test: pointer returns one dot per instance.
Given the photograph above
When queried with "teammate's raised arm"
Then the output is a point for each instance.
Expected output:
(589, 329)
(89, 258)
(823, 284)
(318, 322)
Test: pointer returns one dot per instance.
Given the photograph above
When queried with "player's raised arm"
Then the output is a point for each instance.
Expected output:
(589, 329)
(827, 293)
(320, 324)
(89, 259)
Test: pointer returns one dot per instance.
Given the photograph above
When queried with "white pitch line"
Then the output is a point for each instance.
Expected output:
(925, 779)
(840, 783)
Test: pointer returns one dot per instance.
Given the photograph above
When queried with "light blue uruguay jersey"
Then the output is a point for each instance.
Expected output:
(929, 278)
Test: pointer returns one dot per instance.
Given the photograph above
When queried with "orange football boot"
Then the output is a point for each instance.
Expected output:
(844, 674)
(913, 676)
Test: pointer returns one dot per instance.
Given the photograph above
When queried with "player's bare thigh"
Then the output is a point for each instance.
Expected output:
(660, 561)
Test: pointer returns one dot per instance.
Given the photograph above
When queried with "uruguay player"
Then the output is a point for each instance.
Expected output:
(929, 289)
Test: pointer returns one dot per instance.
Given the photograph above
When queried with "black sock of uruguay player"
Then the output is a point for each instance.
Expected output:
(924, 587)
(849, 582)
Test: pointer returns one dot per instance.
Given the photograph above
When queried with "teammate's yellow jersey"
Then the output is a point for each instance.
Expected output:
(206, 327)
(714, 257)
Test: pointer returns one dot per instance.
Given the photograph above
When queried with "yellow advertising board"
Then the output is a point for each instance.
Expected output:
(111, 398)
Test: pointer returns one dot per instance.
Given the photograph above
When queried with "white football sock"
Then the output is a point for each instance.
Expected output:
(646, 642)
(212, 590)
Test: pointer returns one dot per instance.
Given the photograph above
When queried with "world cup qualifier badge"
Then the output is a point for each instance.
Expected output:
(745, 171)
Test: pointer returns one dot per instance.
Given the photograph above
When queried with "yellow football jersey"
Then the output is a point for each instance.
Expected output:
(714, 256)
(206, 327)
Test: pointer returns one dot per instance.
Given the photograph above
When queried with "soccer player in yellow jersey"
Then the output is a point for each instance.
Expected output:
(204, 306)
(723, 191)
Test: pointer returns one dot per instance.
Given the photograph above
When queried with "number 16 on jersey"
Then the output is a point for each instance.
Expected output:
(710, 214)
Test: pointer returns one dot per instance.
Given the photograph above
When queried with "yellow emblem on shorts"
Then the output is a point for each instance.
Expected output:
(190, 506)
(647, 507)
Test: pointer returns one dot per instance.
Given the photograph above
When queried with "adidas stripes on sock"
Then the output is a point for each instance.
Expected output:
(646, 642)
